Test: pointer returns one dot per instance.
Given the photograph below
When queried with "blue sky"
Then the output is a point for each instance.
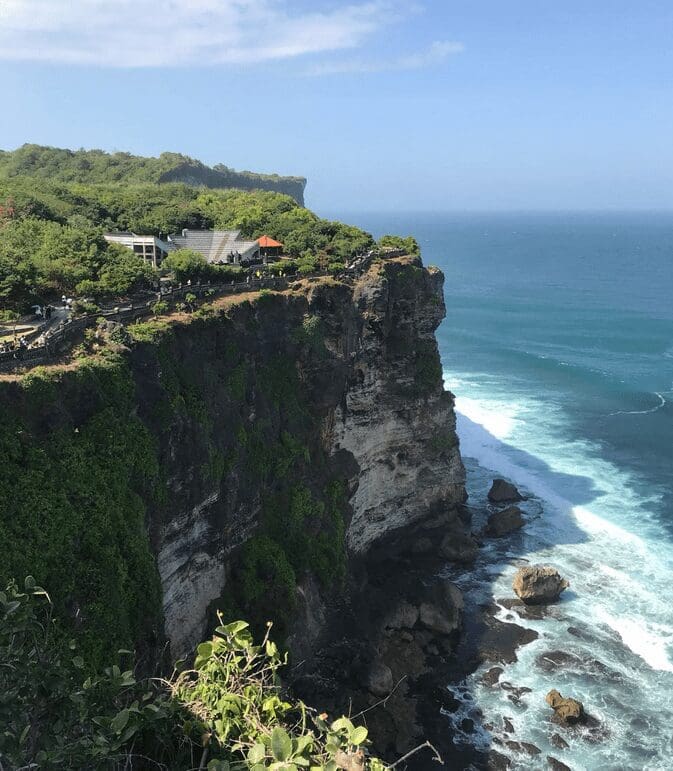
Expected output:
(452, 104)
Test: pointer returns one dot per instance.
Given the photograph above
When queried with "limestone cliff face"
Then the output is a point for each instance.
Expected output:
(368, 409)
(288, 439)
(395, 418)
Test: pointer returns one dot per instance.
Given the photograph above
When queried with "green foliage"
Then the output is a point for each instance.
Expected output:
(62, 202)
(311, 335)
(228, 710)
(56, 714)
(427, 366)
(409, 244)
(186, 264)
(160, 307)
(96, 166)
(73, 504)
(41, 259)
(235, 690)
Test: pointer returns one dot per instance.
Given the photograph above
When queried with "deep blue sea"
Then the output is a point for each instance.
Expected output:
(558, 345)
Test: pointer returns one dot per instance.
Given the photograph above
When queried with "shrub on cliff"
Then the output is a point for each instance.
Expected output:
(228, 712)
(408, 244)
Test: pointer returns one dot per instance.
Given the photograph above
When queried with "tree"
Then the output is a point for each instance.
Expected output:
(186, 264)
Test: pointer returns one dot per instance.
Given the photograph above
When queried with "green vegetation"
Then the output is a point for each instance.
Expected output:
(228, 712)
(428, 367)
(98, 167)
(409, 244)
(55, 206)
(41, 259)
(73, 512)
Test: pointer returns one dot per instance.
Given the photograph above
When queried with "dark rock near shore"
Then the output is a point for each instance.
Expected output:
(503, 492)
(556, 765)
(567, 711)
(504, 522)
(498, 762)
(538, 584)
(492, 676)
(498, 641)
(459, 547)
(559, 742)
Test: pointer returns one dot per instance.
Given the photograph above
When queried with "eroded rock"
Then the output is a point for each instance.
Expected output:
(503, 492)
(504, 522)
(539, 584)
(380, 680)
(442, 613)
(566, 709)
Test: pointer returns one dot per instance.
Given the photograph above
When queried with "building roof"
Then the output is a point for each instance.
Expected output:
(266, 242)
(214, 245)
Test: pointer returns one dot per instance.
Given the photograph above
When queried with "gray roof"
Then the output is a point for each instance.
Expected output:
(214, 245)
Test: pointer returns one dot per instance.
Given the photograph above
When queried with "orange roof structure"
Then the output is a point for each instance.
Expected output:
(266, 242)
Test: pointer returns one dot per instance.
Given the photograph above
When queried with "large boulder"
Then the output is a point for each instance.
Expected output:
(380, 679)
(503, 492)
(442, 612)
(459, 547)
(538, 584)
(567, 710)
(504, 522)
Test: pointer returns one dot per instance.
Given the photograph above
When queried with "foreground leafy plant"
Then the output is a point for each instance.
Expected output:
(228, 712)
(234, 690)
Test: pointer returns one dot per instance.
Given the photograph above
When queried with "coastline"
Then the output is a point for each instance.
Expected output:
(503, 713)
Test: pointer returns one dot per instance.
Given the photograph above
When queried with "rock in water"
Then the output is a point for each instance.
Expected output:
(538, 584)
(566, 710)
(556, 765)
(504, 522)
(503, 492)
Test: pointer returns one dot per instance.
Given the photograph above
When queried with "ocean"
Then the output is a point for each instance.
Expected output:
(558, 345)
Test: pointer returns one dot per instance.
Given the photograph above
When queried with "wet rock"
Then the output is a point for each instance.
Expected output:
(567, 711)
(534, 612)
(459, 547)
(530, 749)
(498, 762)
(514, 746)
(467, 725)
(498, 641)
(508, 725)
(504, 522)
(555, 661)
(556, 765)
(442, 613)
(380, 680)
(517, 690)
(503, 492)
(559, 742)
(538, 584)
(492, 676)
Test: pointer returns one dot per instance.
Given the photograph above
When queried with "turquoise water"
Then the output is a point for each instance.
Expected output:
(558, 345)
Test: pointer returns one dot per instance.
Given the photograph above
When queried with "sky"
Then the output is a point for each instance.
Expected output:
(381, 104)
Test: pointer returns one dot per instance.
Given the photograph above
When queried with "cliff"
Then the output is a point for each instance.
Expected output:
(288, 456)
(96, 166)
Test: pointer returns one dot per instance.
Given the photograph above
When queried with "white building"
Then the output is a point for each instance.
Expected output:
(150, 248)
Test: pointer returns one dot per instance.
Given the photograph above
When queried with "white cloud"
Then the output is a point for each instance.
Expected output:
(438, 52)
(142, 33)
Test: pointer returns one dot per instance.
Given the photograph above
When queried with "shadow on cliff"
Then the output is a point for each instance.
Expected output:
(487, 642)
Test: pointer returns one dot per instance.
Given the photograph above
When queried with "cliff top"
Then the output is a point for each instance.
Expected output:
(98, 167)
(149, 330)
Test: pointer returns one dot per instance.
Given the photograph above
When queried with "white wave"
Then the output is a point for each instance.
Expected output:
(649, 641)
(642, 412)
